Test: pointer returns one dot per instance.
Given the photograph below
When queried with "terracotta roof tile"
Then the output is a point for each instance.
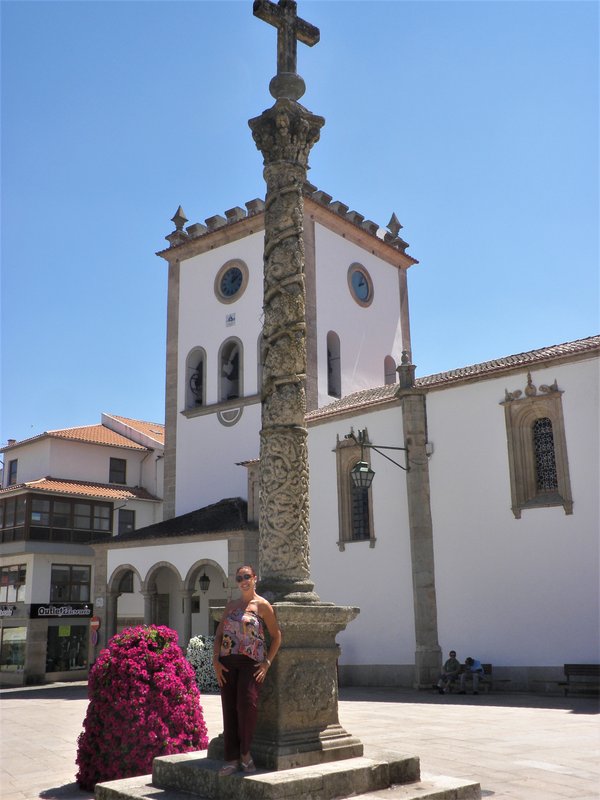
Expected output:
(370, 398)
(88, 434)
(103, 491)
(155, 430)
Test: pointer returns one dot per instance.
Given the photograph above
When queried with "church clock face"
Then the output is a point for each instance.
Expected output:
(360, 284)
(231, 281)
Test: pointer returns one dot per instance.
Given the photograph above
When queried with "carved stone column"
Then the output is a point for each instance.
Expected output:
(284, 134)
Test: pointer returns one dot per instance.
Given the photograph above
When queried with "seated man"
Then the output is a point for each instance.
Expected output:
(472, 670)
(450, 672)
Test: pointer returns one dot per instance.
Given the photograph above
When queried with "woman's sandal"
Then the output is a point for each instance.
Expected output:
(229, 769)
(249, 767)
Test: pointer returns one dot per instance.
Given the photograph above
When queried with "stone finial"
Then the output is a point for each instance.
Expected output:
(179, 219)
(406, 371)
(530, 389)
(178, 235)
(394, 226)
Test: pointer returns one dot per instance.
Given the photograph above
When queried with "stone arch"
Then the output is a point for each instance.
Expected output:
(117, 575)
(199, 604)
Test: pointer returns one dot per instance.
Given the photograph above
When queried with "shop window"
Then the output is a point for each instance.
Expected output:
(389, 370)
(537, 448)
(195, 375)
(12, 472)
(355, 508)
(12, 649)
(230, 370)
(126, 520)
(70, 583)
(334, 369)
(12, 583)
(67, 648)
(118, 470)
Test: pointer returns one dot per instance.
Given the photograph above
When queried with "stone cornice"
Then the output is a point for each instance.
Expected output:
(348, 230)
(319, 206)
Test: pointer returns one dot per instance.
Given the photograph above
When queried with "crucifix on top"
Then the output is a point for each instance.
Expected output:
(290, 29)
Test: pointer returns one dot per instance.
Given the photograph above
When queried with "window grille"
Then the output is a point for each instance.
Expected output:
(545, 461)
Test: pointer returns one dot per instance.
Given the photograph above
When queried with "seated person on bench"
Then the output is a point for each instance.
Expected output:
(474, 671)
(450, 672)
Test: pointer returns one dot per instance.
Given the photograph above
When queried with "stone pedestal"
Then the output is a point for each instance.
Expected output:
(298, 718)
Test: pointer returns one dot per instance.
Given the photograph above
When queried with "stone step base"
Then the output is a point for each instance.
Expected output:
(431, 787)
(186, 775)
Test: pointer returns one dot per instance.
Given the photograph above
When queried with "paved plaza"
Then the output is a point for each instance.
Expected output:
(519, 747)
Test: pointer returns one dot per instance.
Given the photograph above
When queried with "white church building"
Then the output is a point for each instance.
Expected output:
(496, 520)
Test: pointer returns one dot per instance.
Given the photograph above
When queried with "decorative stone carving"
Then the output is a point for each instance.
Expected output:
(285, 134)
(531, 390)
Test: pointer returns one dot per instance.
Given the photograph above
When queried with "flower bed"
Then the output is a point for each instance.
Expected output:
(200, 656)
(144, 702)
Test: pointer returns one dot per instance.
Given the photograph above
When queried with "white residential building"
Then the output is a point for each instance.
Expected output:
(62, 490)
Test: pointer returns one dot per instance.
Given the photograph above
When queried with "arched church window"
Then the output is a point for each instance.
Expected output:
(334, 368)
(545, 460)
(230, 370)
(195, 375)
(389, 369)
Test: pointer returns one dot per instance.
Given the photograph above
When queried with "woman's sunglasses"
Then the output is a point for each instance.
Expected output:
(245, 577)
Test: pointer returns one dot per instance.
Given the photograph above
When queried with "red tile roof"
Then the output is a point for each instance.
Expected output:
(370, 398)
(103, 491)
(88, 434)
(155, 430)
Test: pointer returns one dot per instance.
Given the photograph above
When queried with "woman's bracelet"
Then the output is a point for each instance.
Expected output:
(267, 661)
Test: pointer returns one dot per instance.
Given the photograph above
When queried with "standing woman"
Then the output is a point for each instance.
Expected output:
(241, 664)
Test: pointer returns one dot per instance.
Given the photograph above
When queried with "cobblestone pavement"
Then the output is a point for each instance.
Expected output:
(519, 747)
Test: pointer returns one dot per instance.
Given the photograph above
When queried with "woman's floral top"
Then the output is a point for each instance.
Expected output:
(243, 635)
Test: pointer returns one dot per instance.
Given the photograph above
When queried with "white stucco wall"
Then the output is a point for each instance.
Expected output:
(376, 579)
(367, 335)
(514, 591)
(208, 455)
(33, 461)
(181, 556)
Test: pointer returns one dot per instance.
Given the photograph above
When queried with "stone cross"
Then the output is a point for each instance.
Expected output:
(290, 30)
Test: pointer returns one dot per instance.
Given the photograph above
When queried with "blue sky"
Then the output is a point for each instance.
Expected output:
(476, 122)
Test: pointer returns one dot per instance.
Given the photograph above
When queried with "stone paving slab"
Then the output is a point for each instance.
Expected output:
(519, 747)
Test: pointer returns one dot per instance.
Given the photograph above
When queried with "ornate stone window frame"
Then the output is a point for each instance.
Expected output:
(347, 454)
(521, 410)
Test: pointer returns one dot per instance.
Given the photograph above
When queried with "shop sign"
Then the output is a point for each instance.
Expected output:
(7, 611)
(56, 610)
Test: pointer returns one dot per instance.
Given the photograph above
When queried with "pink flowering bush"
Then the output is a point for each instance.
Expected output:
(144, 702)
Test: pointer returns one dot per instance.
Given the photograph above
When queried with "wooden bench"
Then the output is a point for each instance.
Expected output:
(486, 681)
(581, 677)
